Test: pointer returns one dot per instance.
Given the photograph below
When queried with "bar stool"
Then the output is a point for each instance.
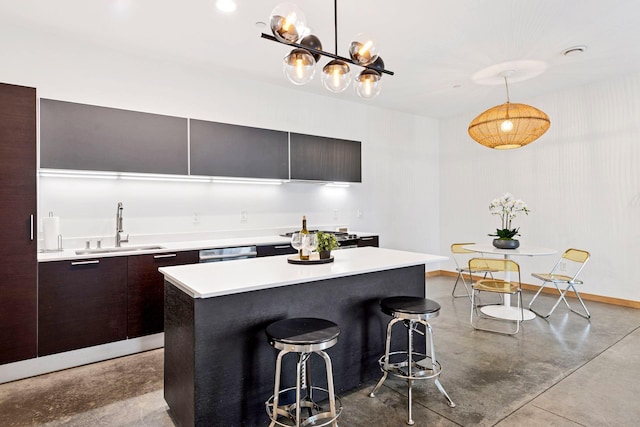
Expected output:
(303, 336)
(409, 364)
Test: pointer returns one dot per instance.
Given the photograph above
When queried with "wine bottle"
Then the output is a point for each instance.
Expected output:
(304, 237)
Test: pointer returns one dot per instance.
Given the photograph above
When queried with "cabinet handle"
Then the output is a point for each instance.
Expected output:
(282, 247)
(366, 238)
(31, 221)
(164, 256)
(93, 261)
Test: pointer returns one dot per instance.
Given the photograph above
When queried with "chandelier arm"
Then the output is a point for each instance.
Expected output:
(327, 54)
(335, 25)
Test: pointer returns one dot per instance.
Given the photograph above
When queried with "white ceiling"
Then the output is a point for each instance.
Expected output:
(434, 47)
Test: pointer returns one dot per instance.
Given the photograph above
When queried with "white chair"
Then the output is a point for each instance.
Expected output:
(570, 264)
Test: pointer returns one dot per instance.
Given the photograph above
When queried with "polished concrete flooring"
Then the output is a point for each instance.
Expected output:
(564, 371)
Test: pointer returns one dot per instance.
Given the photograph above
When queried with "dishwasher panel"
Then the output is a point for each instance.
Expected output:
(228, 254)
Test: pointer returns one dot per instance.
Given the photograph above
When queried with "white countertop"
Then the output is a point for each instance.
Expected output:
(187, 245)
(231, 277)
(68, 254)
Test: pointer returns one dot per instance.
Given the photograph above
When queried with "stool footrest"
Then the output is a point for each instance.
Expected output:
(317, 417)
(420, 369)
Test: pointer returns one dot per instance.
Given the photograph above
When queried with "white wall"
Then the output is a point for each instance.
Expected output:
(398, 197)
(581, 180)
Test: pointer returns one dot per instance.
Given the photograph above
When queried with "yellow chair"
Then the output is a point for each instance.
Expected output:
(457, 252)
(498, 286)
(571, 264)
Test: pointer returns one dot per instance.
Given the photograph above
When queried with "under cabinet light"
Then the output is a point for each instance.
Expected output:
(69, 173)
(338, 184)
(246, 181)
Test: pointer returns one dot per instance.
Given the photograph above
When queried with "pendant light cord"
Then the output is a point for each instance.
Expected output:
(507, 86)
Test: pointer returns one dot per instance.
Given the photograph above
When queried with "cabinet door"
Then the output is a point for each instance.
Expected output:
(81, 303)
(145, 290)
(271, 250)
(18, 263)
(368, 241)
(87, 137)
(220, 149)
(318, 158)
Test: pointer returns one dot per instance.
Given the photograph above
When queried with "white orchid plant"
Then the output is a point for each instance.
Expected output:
(507, 207)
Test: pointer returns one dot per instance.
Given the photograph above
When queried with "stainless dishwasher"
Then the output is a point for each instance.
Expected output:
(228, 254)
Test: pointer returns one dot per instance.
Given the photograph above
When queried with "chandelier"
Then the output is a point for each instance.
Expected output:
(288, 25)
(508, 125)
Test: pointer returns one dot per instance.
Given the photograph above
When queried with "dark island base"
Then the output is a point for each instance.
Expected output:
(219, 368)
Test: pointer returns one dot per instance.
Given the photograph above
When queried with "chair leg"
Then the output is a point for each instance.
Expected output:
(536, 296)
(432, 350)
(586, 314)
(332, 397)
(409, 368)
(453, 292)
(276, 388)
(387, 349)
(562, 298)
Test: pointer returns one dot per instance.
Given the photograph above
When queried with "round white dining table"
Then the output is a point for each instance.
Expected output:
(506, 310)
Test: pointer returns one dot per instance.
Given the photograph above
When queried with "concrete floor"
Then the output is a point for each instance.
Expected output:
(566, 371)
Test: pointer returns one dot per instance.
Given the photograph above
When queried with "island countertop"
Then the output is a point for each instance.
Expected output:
(225, 278)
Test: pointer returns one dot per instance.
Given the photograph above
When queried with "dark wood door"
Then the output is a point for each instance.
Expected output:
(81, 303)
(369, 241)
(319, 158)
(18, 247)
(272, 250)
(145, 290)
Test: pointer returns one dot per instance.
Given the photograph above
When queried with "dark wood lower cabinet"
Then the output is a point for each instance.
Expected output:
(145, 290)
(272, 250)
(369, 241)
(81, 303)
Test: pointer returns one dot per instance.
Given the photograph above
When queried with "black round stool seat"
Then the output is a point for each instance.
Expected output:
(416, 306)
(302, 331)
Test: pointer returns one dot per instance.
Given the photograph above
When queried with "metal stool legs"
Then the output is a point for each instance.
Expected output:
(303, 382)
(409, 369)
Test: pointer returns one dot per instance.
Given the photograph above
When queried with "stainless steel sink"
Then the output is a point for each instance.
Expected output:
(114, 250)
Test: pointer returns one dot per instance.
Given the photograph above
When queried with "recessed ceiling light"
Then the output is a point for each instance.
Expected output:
(261, 24)
(574, 50)
(226, 6)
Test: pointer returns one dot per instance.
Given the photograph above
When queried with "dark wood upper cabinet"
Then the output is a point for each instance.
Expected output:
(220, 149)
(318, 158)
(18, 263)
(88, 137)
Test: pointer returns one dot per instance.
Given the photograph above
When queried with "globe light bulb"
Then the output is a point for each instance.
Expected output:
(336, 76)
(363, 50)
(299, 66)
(287, 22)
(506, 126)
(368, 84)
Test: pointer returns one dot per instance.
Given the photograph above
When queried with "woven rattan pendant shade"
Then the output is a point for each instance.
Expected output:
(529, 124)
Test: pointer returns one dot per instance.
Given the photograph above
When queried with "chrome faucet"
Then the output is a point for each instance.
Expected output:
(119, 239)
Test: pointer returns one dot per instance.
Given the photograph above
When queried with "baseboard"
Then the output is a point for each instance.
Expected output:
(530, 287)
(70, 359)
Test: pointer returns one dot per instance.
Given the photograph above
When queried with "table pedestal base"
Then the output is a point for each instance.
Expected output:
(506, 312)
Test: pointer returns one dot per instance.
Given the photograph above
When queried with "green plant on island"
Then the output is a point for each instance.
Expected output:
(326, 242)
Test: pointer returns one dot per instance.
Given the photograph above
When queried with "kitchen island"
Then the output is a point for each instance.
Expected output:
(219, 368)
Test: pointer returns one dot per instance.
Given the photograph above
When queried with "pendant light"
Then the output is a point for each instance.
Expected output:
(508, 125)
(288, 25)
(336, 75)
(299, 66)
